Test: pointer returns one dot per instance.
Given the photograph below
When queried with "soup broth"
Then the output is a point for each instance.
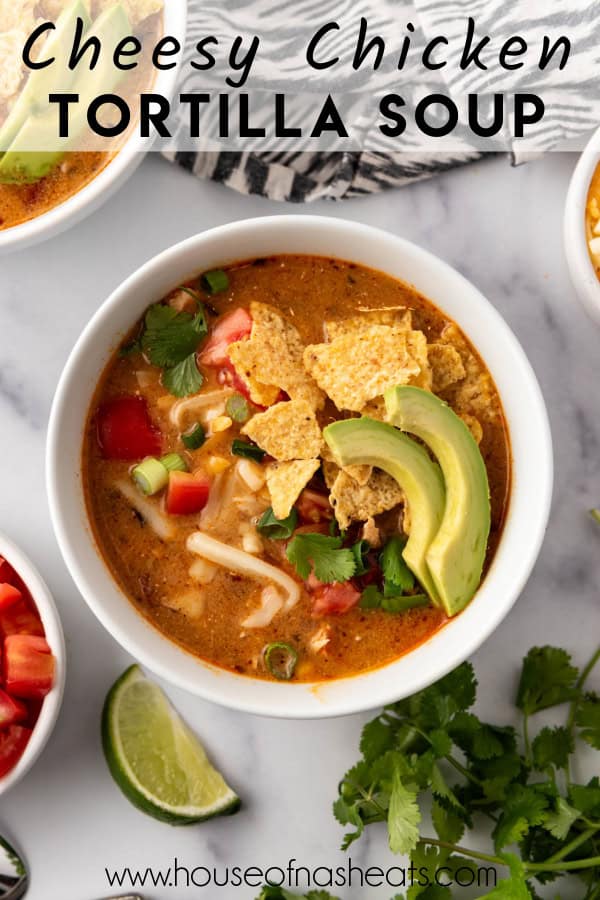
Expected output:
(213, 611)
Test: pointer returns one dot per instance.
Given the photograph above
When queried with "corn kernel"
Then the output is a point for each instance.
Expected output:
(221, 423)
(216, 464)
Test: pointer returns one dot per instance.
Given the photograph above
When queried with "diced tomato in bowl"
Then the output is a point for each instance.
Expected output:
(31, 664)
(334, 599)
(187, 493)
(233, 327)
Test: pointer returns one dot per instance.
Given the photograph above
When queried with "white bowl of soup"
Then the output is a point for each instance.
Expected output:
(581, 227)
(80, 181)
(218, 512)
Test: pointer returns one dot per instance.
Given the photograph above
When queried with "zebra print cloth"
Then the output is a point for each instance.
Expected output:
(571, 97)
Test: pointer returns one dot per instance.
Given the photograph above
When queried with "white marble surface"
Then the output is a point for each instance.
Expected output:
(502, 228)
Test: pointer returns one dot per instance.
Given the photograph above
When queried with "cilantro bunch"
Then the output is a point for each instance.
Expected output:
(543, 823)
(432, 745)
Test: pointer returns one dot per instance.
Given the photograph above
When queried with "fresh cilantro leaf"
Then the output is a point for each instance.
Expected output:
(514, 887)
(479, 739)
(559, 821)
(552, 747)
(183, 379)
(439, 787)
(448, 825)
(169, 336)
(523, 807)
(324, 555)
(548, 678)
(440, 741)
(376, 739)
(371, 597)
(461, 685)
(397, 577)
(404, 816)
(277, 529)
(586, 797)
(587, 718)
(360, 550)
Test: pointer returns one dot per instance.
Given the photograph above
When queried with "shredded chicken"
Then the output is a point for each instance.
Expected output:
(370, 533)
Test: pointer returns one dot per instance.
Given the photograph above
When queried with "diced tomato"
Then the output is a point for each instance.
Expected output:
(28, 666)
(235, 326)
(187, 493)
(125, 430)
(11, 710)
(20, 619)
(7, 573)
(313, 507)
(9, 595)
(335, 599)
(13, 741)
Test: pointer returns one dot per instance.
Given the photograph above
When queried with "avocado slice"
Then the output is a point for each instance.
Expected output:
(365, 441)
(54, 78)
(24, 162)
(457, 553)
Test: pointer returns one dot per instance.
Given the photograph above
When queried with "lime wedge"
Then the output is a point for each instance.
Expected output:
(158, 763)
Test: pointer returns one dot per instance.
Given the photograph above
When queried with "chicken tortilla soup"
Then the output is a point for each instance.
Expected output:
(297, 468)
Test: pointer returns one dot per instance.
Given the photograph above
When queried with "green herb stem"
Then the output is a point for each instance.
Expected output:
(464, 851)
(568, 848)
(573, 865)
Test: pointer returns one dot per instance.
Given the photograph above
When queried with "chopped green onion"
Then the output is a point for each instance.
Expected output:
(401, 604)
(277, 529)
(214, 282)
(595, 514)
(174, 462)
(280, 660)
(248, 450)
(151, 476)
(372, 598)
(237, 408)
(194, 438)
(360, 550)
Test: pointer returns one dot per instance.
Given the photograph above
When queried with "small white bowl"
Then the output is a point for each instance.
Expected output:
(526, 417)
(54, 635)
(581, 269)
(110, 179)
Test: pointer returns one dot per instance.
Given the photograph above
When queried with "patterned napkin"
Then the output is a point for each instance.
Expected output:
(570, 96)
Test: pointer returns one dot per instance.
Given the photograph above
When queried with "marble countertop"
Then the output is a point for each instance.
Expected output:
(502, 228)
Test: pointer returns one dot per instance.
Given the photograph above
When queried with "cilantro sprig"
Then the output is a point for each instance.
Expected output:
(170, 340)
(433, 746)
(322, 554)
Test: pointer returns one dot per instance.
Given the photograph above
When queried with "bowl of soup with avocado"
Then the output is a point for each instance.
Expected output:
(298, 457)
(45, 189)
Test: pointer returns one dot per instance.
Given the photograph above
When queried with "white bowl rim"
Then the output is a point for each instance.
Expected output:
(305, 701)
(581, 269)
(109, 179)
(48, 612)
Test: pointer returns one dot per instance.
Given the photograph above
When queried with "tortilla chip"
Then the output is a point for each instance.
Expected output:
(375, 409)
(272, 357)
(354, 502)
(287, 430)
(446, 366)
(331, 469)
(286, 480)
(474, 426)
(417, 347)
(355, 368)
(400, 317)
(474, 394)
